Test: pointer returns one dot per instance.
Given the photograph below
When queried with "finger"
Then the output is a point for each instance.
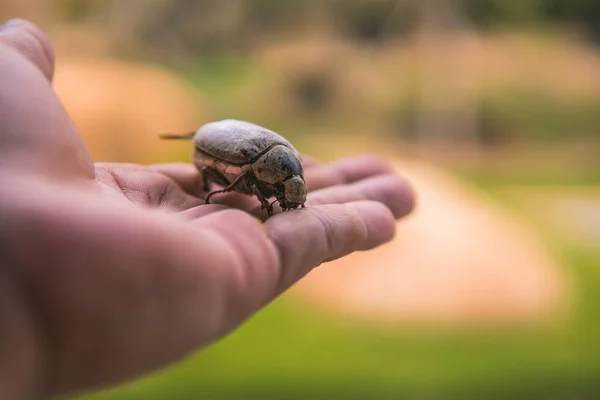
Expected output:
(37, 134)
(311, 236)
(344, 171)
(31, 42)
(390, 189)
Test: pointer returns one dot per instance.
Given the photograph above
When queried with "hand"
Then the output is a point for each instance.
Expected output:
(110, 271)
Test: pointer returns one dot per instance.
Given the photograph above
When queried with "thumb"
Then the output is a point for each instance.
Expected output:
(31, 42)
(36, 133)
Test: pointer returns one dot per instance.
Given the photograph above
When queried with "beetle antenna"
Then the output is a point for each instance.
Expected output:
(167, 135)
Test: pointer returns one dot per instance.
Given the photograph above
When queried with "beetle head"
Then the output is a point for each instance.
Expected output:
(292, 192)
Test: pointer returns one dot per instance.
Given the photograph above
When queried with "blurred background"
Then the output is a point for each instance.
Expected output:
(491, 108)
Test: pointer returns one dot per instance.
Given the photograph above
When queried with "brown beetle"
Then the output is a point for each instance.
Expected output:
(249, 159)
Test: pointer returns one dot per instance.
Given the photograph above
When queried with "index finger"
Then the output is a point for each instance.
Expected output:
(308, 237)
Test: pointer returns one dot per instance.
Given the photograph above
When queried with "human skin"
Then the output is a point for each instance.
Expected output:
(111, 271)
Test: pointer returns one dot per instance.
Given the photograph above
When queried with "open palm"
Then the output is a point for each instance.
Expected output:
(113, 270)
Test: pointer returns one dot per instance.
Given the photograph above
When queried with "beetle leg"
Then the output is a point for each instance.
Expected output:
(205, 181)
(281, 199)
(228, 188)
(263, 202)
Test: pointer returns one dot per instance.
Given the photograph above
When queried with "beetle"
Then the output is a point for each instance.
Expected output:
(249, 159)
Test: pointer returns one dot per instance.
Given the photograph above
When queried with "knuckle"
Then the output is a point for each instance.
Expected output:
(342, 229)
